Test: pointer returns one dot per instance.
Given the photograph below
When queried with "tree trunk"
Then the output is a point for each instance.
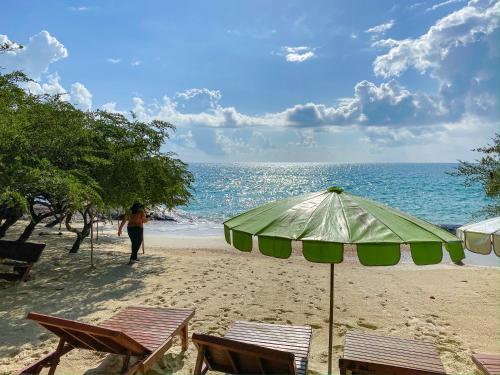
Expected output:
(10, 215)
(80, 234)
(28, 231)
(54, 222)
(76, 245)
(6, 225)
(35, 219)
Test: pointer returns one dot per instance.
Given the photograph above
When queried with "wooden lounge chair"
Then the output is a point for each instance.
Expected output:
(373, 354)
(488, 363)
(255, 348)
(142, 332)
(21, 256)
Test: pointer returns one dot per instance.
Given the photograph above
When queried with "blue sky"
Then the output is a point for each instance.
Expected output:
(343, 81)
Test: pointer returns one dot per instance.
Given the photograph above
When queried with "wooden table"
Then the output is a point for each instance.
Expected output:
(488, 363)
(294, 339)
(373, 354)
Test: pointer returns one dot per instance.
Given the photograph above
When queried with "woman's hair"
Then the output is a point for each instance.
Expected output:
(136, 207)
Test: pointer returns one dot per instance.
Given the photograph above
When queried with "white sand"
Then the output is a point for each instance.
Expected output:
(458, 308)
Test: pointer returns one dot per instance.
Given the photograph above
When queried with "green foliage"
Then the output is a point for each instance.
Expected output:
(139, 170)
(485, 171)
(12, 200)
(55, 155)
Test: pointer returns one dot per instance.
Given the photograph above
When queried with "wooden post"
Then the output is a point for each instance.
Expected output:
(92, 241)
(330, 332)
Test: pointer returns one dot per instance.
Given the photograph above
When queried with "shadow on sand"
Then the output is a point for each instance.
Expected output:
(66, 286)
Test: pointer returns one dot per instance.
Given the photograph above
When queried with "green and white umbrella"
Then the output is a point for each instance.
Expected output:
(481, 237)
(326, 220)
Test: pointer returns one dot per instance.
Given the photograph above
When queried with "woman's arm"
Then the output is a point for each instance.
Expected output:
(144, 217)
(121, 225)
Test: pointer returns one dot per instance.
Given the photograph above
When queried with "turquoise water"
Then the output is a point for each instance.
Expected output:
(422, 190)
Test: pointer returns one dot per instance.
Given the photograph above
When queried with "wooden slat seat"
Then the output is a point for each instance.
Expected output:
(135, 331)
(488, 363)
(373, 354)
(255, 348)
(20, 255)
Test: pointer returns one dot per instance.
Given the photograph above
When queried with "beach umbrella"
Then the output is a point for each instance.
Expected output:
(327, 220)
(481, 237)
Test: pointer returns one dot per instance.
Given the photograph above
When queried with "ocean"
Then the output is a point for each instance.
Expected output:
(426, 191)
(423, 190)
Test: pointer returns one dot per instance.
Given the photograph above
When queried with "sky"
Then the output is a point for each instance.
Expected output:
(275, 81)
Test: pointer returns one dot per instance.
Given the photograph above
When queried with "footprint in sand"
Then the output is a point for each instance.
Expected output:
(363, 324)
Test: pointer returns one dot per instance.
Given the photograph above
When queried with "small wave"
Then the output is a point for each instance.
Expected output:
(180, 222)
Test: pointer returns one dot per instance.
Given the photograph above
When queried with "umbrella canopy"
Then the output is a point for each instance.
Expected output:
(326, 220)
(482, 237)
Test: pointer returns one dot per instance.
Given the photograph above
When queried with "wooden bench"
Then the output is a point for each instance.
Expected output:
(255, 348)
(488, 363)
(143, 332)
(21, 256)
(373, 354)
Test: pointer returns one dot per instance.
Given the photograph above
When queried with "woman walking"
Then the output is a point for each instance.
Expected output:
(136, 217)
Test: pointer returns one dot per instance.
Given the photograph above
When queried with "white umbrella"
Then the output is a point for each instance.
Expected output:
(481, 237)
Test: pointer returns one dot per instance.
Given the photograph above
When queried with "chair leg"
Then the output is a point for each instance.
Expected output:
(55, 358)
(126, 362)
(26, 274)
(199, 368)
(184, 337)
(47, 361)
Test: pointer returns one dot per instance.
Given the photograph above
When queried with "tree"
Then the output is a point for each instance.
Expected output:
(13, 102)
(47, 153)
(485, 171)
(64, 162)
(138, 169)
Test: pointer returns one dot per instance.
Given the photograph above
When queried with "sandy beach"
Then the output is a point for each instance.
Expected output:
(458, 308)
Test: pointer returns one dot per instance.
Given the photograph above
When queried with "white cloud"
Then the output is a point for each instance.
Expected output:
(381, 29)
(113, 60)
(79, 8)
(193, 99)
(111, 107)
(442, 4)
(460, 29)
(385, 43)
(34, 59)
(136, 62)
(186, 139)
(461, 52)
(81, 96)
(298, 54)
(416, 5)
(306, 138)
(227, 144)
(388, 104)
(51, 85)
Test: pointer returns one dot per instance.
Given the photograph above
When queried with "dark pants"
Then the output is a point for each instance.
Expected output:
(135, 235)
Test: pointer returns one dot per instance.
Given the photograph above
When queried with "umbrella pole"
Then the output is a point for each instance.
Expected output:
(330, 332)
